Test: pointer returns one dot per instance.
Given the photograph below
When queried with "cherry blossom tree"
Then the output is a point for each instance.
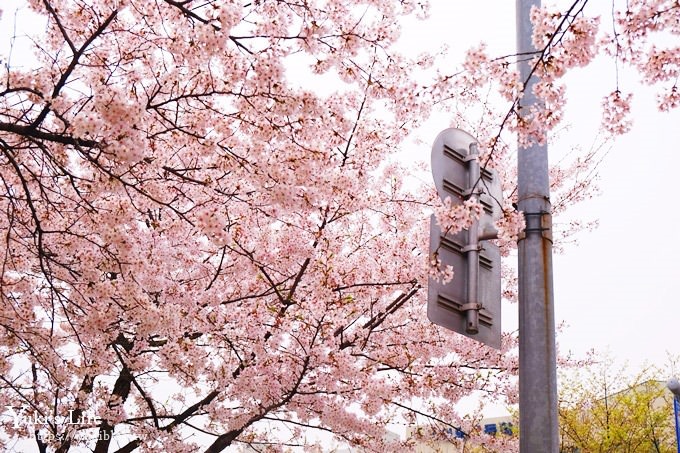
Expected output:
(201, 250)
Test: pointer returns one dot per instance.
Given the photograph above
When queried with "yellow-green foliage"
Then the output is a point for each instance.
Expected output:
(606, 410)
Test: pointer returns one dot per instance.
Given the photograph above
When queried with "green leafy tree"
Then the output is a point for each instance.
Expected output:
(603, 409)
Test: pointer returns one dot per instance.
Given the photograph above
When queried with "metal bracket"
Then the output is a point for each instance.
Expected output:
(471, 311)
(457, 307)
(467, 193)
(537, 222)
(471, 248)
(487, 233)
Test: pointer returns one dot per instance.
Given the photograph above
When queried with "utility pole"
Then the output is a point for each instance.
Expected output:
(537, 357)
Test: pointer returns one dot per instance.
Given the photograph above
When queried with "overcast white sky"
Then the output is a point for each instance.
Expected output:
(617, 290)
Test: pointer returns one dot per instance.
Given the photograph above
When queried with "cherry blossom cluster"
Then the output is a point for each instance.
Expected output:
(642, 41)
(451, 217)
(616, 113)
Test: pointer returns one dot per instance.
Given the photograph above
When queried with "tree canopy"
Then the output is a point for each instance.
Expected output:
(604, 410)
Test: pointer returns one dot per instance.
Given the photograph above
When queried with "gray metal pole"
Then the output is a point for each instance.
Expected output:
(537, 358)
(472, 250)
